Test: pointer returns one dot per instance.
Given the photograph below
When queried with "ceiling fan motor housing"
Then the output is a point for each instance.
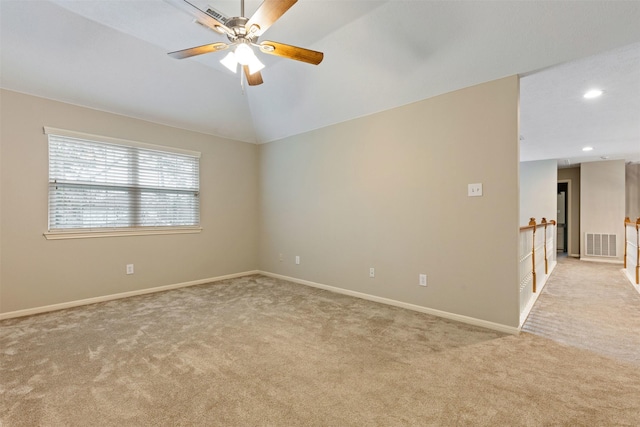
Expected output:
(238, 26)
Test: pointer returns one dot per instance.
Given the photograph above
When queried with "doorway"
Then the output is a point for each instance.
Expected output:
(563, 218)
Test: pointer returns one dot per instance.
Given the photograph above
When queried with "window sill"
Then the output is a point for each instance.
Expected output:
(85, 234)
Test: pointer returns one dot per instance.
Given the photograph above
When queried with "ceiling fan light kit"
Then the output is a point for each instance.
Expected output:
(243, 55)
(243, 34)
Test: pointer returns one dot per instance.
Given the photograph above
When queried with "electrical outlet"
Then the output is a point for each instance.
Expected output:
(372, 272)
(474, 190)
(423, 280)
(129, 268)
(297, 259)
(280, 258)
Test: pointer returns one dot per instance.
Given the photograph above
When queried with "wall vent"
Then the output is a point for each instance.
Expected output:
(600, 244)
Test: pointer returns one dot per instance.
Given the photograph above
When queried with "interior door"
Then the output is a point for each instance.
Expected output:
(562, 223)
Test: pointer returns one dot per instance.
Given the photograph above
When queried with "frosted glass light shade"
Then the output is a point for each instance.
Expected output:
(244, 54)
(255, 65)
(230, 62)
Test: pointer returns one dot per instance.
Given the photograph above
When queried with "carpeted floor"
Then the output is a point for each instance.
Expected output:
(589, 305)
(257, 351)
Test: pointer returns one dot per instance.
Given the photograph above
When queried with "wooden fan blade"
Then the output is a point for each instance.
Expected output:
(199, 50)
(292, 52)
(268, 13)
(202, 17)
(254, 79)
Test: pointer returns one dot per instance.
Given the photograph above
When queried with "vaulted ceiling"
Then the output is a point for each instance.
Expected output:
(112, 56)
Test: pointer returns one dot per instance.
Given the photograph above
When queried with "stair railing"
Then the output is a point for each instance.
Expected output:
(537, 255)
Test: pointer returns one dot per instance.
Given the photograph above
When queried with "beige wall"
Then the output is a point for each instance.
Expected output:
(602, 201)
(538, 189)
(38, 272)
(389, 191)
(573, 176)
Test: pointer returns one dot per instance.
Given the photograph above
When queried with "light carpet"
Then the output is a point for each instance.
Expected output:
(257, 351)
(589, 305)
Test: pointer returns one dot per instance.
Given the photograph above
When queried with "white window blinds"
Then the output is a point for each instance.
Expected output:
(100, 185)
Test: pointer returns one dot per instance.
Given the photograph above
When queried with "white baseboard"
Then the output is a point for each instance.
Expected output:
(605, 260)
(452, 316)
(444, 314)
(87, 301)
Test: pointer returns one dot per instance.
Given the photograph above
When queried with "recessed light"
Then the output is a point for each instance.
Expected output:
(587, 149)
(594, 93)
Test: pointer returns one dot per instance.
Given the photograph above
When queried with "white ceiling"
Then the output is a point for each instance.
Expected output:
(112, 55)
(556, 121)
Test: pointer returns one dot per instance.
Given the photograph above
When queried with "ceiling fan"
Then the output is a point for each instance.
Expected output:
(243, 34)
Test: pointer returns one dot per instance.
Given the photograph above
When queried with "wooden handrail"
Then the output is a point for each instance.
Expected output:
(529, 227)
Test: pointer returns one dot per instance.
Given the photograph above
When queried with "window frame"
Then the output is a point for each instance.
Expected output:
(82, 233)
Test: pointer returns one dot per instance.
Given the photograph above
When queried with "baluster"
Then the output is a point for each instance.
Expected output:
(546, 263)
(532, 221)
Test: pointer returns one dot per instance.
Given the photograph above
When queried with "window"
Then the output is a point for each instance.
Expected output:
(99, 184)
